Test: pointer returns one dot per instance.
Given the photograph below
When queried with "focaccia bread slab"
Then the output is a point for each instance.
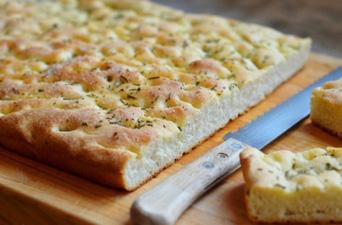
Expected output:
(326, 107)
(287, 187)
(117, 90)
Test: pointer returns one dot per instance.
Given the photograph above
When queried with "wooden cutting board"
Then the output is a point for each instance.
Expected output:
(32, 193)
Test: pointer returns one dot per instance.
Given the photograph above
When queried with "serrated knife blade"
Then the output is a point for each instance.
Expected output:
(163, 204)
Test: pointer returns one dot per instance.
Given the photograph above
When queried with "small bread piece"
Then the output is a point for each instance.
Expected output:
(116, 90)
(284, 187)
(326, 107)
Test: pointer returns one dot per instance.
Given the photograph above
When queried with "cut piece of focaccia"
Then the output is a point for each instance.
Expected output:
(326, 107)
(284, 187)
(117, 90)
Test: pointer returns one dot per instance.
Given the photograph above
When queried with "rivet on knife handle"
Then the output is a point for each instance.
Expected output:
(163, 204)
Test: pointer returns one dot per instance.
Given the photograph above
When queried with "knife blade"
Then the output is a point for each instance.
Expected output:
(163, 204)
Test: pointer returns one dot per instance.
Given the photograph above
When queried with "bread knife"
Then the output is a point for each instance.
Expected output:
(164, 203)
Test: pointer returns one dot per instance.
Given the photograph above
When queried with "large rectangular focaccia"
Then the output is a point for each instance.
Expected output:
(117, 90)
(287, 187)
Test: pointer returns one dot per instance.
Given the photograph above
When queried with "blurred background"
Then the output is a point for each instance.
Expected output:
(319, 19)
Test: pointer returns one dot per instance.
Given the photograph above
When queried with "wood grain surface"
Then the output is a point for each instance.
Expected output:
(32, 193)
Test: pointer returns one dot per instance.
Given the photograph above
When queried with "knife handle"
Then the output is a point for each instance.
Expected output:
(163, 204)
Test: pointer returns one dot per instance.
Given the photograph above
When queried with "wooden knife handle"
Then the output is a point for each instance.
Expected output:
(163, 204)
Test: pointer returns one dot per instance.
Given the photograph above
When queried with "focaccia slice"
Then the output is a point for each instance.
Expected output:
(287, 187)
(326, 107)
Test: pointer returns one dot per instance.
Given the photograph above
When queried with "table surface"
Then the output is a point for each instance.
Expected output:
(320, 20)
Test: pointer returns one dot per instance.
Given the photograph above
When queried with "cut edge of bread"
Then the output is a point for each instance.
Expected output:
(262, 207)
(162, 153)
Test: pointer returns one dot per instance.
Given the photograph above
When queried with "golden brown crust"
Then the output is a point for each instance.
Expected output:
(105, 176)
(245, 161)
(331, 91)
(93, 162)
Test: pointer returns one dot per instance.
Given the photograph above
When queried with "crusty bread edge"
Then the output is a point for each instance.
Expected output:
(69, 163)
(245, 161)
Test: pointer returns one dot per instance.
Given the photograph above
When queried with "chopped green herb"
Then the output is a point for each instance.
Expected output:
(123, 102)
(123, 79)
(280, 186)
(328, 166)
(287, 174)
(232, 86)
(185, 44)
(131, 97)
(118, 16)
(168, 98)
(109, 78)
(153, 78)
